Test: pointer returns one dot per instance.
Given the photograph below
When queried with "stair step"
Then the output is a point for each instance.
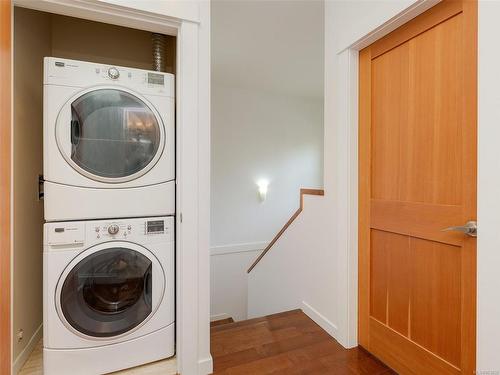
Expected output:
(248, 322)
(221, 322)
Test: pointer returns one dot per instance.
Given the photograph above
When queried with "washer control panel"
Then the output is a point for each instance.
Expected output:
(87, 233)
(113, 229)
(155, 227)
(131, 229)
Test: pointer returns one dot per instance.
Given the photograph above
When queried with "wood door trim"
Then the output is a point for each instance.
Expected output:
(434, 16)
(5, 185)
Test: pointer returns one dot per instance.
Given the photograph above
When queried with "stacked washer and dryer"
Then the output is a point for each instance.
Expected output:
(109, 171)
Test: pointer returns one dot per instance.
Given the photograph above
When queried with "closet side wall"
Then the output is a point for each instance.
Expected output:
(32, 42)
(78, 39)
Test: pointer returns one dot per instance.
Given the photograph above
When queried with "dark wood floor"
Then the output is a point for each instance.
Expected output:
(288, 343)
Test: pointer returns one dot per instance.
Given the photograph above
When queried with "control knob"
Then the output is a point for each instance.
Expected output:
(113, 73)
(113, 229)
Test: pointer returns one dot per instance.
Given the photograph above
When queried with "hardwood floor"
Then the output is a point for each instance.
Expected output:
(288, 343)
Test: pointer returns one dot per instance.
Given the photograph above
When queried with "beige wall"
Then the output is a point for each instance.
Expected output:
(28, 210)
(36, 35)
(78, 39)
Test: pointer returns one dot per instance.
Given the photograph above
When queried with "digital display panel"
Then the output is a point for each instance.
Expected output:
(156, 79)
(156, 226)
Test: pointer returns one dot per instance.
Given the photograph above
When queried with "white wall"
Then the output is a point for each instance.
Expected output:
(300, 271)
(488, 242)
(267, 123)
(353, 20)
(186, 10)
(274, 45)
(256, 135)
(229, 280)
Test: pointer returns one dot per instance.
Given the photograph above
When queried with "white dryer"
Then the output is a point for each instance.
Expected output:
(108, 294)
(109, 147)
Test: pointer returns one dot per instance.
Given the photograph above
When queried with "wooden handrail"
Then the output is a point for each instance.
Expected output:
(290, 221)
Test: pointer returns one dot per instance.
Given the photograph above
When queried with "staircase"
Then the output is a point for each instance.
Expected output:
(297, 270)
(284, 344)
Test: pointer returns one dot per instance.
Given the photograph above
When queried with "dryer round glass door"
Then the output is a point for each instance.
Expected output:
(110, 135)
(110, 291)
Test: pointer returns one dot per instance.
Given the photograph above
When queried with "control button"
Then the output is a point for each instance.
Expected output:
(129, 227)
(113, 73)
(97, 229)
(113, 229)
(98, 236)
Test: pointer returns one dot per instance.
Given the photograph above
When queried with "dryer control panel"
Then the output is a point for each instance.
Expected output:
(79, 233)
(85, 74)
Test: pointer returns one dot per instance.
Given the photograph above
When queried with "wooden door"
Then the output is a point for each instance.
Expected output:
(417, 175)
(5, 179)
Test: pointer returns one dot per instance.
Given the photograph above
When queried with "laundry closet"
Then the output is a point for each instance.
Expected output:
(105, 53)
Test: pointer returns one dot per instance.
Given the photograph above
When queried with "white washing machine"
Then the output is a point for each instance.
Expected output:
(108, 294)
(109, 147)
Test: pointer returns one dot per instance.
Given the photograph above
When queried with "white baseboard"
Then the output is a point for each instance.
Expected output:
(320, 319)
(205, 366)
(25, 354)
(238, 248)
(222, 316)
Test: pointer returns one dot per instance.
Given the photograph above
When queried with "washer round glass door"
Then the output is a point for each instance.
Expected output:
(109, 292)
(109, 134)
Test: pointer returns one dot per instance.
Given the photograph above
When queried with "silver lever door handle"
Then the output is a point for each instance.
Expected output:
(470, 229)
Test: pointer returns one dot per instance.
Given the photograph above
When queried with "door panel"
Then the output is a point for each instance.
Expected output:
(398, 284)
(435, 298)
(416, 91)
(417, 176)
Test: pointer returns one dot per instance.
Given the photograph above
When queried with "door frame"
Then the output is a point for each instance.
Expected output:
(190, 22)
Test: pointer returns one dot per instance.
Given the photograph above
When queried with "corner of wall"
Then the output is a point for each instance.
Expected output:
(21, 359)
(320, 319)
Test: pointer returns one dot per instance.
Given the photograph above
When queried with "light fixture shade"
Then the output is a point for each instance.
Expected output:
(262, 189)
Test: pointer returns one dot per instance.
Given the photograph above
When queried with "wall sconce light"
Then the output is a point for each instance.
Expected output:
(262, 184)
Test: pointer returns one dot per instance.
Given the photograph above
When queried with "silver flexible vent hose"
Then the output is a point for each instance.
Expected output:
(159, 42)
